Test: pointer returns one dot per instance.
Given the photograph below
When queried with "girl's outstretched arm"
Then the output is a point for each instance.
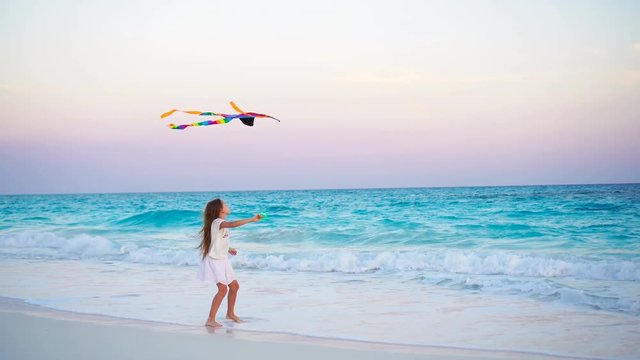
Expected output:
(234, 224)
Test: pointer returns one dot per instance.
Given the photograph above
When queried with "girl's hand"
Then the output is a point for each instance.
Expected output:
(233, 251)
(257, 217)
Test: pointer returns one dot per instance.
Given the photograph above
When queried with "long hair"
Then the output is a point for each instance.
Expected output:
(211, 212)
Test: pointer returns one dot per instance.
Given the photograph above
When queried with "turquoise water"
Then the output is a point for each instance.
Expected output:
(553, 269)
(527, 241)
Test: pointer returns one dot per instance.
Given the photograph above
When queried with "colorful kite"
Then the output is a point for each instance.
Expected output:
(246, 117)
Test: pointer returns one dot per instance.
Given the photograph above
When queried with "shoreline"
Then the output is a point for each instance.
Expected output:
(17, 315)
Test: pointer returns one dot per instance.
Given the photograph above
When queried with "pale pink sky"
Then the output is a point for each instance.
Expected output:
(370, 93)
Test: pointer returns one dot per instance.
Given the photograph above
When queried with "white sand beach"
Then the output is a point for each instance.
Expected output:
(33, 332)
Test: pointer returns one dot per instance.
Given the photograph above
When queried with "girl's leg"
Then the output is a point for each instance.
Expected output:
(231, 301)
(215, 304)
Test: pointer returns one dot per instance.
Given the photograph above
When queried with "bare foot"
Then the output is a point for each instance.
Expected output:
(213, 324)
(234, 317)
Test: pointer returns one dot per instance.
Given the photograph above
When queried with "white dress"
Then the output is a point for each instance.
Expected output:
(216, 266)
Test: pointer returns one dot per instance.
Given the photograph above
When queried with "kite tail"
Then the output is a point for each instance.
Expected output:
(168, 113)
(202, 123)
(193, 112)
(236, 108)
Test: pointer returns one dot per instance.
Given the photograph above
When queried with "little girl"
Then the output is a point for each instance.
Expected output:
(215, 264)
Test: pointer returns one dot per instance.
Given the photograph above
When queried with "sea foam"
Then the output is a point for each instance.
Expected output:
(322, 259)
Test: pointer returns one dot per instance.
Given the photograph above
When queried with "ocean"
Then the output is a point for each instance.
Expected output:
(546, 269)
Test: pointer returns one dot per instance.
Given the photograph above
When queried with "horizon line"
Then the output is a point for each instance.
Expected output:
(319, 189)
